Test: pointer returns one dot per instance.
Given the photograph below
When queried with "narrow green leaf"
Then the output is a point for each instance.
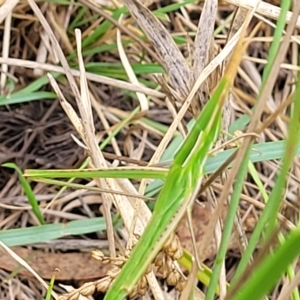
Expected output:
(269, 271)
(269, 214)
(102, 29)
(28, 191)
(20, 98)
(121, 172)
(44, 233)
(50, 288)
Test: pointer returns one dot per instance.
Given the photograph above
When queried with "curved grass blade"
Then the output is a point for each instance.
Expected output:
(182, 181)
(268, 272)
(240, 169)
(259, 152)
(269, 213)
(28, 191)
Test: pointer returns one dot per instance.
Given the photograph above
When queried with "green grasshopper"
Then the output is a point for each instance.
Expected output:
(187, 170)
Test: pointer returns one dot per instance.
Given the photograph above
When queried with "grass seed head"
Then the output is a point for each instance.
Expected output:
(173, 278)
(133, 293)
(87, 289)
(180, 285)
(160, 259)
(173, 248)
(103, 284)
(113, 273)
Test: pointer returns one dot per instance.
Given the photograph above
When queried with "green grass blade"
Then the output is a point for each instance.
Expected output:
(269, 214)
(79, 19)
(182, 180)
(204, 275)
(44, 233)
(281, 238)
(172, 7)
(30, 92)
(269, 271)
(285, 5)
(278, 33)
(120, 172)
(51, 286)
(259, 152)
(36, 84)
(28, 191)
(102, 29)
(291, 146)
(102, 68)
(227, 231)
(200, 126)
(21, 98)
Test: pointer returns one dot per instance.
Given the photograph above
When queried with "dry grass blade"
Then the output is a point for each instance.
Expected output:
(217, 61)
(5, 50)
(268, 88)
(76, 121)
(169, 53)
(87, 134)
(90, 76)
(289, 287)
(152, 281)
(174, 62)
(85, 103)
(23, 263)
(84, 106)
(122, 28)
(90, 138)
(142, 98)
(203, 48)
(265, 9)
(57, 49)
(256, 116)
(33, 133)
(218, 211)
(188, 290)
(238, 20)
(6, 8)
(123, 204)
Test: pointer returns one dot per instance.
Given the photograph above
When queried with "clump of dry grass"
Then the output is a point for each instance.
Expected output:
(40, 41)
